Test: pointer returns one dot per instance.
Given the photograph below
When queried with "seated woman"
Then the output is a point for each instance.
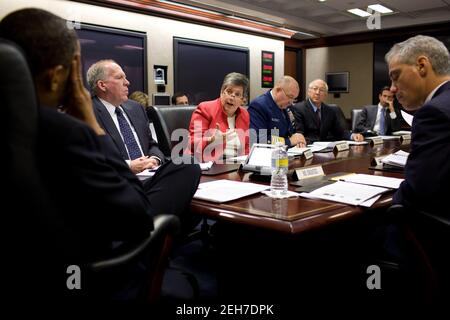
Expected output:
(219, 128)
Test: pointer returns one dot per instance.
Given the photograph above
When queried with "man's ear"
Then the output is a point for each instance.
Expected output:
(101, 85)
(55, 78)
(423, 65)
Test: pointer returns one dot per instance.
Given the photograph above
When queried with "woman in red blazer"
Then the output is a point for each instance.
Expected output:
(219, 128)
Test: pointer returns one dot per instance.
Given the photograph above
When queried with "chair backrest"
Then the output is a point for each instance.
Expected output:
(428, 237)
(28, 217)
(355, 117)
(340, 115)
(166, 119)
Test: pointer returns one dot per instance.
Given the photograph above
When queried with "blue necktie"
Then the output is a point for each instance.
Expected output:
(382, 122)
(128, 137)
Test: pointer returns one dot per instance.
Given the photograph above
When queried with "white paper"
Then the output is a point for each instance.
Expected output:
(226, 190)
(144, 175)
(408, 118)
(389, 137)
(236, 159)
(396, 159)
(296, 151)
(206, 165)
(345, 192)
(372, 180)
(401, 132)
(356, 143)
(288, 194)
(261, 157)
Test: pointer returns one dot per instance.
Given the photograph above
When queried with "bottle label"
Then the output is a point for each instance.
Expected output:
(282, 163)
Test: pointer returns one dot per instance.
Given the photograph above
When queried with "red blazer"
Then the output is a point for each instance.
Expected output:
(203, 124)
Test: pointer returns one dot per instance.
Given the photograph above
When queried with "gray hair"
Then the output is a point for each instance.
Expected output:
(236, 79)
(97, 72)
(326, 85)
(408, 51)
(287, 81)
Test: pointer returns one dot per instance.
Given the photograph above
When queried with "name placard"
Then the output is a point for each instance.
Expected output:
(375, 140)
(309, 172)
(405, 138)
(307, 154)
(341, 146)
(377, 161)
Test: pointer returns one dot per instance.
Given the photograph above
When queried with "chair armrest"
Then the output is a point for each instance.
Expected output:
(164, 224)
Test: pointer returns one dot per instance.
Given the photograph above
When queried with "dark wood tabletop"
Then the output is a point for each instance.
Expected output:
(295, 215)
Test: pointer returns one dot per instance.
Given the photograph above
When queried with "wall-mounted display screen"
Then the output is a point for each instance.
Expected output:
(200, 67)
(127, 48)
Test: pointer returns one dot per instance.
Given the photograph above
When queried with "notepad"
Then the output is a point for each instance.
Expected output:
(226, 190)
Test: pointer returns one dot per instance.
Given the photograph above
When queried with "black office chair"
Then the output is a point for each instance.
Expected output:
(34, 266)
(427, 242)
(355, 117)
(166, 119)
(340, 115)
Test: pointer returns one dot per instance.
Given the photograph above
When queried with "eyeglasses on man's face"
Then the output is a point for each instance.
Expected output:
(289, 96)
(315, 89)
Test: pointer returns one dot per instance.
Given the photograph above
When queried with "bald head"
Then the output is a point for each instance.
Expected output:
(285, 91)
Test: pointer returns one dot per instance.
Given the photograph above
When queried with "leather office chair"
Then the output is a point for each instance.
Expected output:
(341, 117)
(427, 238)
(166, 119)
(355, 118)
(33, 265)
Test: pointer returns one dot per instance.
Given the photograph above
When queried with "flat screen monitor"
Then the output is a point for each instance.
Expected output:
(337, 81)
(127, 48)
(200, 67)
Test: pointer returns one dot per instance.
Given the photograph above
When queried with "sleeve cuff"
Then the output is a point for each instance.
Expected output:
(156, 158)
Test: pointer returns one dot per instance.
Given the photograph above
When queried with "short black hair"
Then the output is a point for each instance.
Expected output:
(45, 38)
(177, 95)
(385, 88)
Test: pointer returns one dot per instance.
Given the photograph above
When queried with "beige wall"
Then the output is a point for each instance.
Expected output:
(357, 59)
(160, 33)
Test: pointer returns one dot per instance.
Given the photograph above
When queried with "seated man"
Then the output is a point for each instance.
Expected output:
(420, 72)
(316, 120)
(268, 114)
(180, 98)
(97, 200)
(382, 119)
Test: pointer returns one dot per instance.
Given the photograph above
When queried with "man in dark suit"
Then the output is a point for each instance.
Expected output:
(110, 86)
(96, 199)
(126, 122)
(382, 119)
(269, 116)
(420, 72)
(316, 120)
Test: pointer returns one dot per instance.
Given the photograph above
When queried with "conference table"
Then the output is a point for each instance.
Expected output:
(296, 215)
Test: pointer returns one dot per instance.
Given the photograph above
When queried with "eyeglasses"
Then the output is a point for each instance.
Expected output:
(321, 90)
(290, 97)
(231, 93)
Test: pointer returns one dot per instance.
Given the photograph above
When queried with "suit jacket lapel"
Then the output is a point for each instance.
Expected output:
(373, 115)
(108, 124)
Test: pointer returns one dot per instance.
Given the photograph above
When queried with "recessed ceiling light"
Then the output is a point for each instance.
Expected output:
(379, 8)
(359, 12)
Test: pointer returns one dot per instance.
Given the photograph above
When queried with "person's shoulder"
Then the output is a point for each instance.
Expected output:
(299, 105)
(52, 118)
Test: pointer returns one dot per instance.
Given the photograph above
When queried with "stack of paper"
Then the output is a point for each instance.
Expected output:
(372, 180)
(296, 151)
(347, 192)
(226, 190)
(397, 159)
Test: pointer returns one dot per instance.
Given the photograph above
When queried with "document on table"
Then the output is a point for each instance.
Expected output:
(347, 192)
(226, 190)
(397, 159)
(356, 143)
(206, 165)
(296, 151)
(389, 137)
(372, 180)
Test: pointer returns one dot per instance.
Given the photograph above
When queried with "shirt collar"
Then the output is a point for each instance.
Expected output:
(313, 105)
(430, 96)
(111, 108)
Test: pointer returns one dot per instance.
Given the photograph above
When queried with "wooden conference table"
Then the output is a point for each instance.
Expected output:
(296, 215)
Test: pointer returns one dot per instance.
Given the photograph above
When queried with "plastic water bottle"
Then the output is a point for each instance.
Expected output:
(280, 163)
